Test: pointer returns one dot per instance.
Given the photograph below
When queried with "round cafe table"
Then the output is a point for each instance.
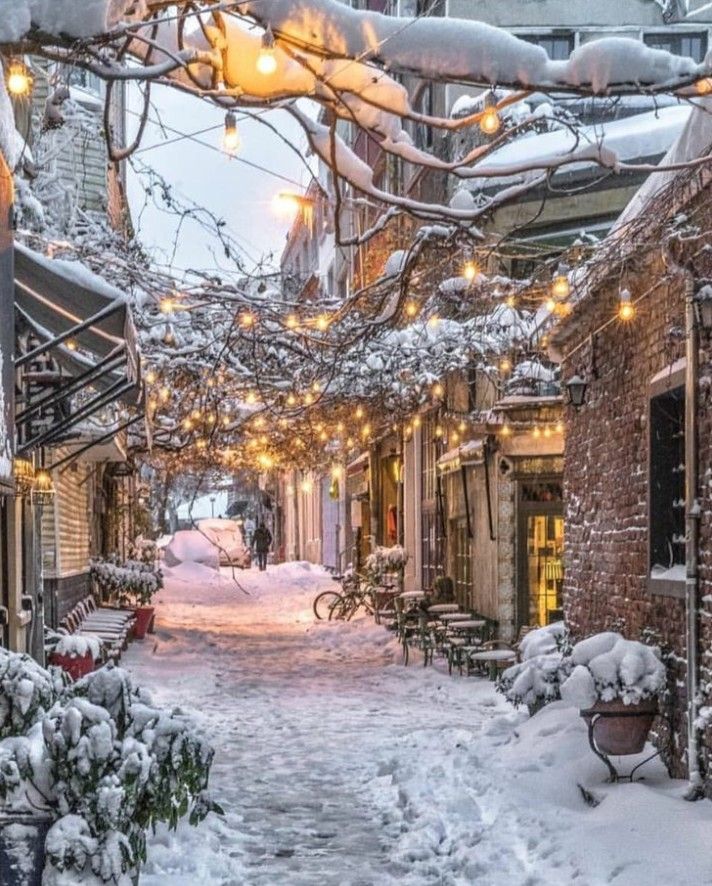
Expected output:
(443, 608)
(451, 618)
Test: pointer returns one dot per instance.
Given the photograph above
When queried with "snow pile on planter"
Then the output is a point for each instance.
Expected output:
(77, 646)
(191, 546)
(607, 666)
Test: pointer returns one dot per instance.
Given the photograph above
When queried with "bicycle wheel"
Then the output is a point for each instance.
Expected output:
(341, 609)
(323, 603)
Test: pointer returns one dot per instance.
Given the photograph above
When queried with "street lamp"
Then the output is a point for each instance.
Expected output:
(576, 387)
(212, 505)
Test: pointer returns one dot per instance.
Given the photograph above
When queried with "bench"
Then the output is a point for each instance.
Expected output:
(112, 626)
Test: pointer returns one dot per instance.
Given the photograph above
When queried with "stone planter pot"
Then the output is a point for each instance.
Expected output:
(22, 852)
(144, 619)
(77, 666)
(621, 729)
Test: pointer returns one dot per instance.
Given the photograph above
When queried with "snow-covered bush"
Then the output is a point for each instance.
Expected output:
(385, 561)
(26, 692)
(133, 582)
(78, 645)
(607, 667)
(145, 550)
(107, 765)
(536, 680)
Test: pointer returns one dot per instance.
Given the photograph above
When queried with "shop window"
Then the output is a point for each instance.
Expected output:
(540, 492)
(692, 46)
(432, 548)
(667, 479)
(462, 562)
(558, 46)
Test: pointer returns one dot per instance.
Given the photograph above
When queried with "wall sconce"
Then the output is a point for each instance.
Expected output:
(576, 387)
(24, 473)
(43, 490)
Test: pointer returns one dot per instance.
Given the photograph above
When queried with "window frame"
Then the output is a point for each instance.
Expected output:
(675, 38)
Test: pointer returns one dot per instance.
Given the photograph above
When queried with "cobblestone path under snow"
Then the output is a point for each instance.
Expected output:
(336, 765)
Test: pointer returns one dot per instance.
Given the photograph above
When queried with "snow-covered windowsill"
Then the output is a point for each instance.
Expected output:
(667, 582)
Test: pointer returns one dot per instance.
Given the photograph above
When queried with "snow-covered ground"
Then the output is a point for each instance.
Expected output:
(337, 765)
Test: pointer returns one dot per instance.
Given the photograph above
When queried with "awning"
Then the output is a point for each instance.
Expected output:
(469, 453)
(86, 326)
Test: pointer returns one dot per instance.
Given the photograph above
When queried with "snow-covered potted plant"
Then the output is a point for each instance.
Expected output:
(131, 583)
(103, 763)
(76, 654)
(615, 683)
(536, 680)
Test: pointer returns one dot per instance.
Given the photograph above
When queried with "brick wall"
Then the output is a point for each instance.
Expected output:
(606, 479)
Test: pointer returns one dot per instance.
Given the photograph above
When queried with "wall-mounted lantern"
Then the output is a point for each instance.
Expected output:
(576, 387)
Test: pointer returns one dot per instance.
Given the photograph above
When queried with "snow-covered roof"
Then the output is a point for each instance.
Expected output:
(640, 136)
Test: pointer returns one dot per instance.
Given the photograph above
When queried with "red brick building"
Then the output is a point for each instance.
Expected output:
(638, 451)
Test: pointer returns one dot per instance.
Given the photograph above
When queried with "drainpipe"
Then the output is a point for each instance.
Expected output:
(692, 508)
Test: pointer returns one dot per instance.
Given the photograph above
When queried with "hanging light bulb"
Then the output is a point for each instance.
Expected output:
(505, 364)
(231, 136)
(438, 390)
(536, 432)
(411, 309)
(626, 308)
(292, 322)
(365, 431)
(511, 301)
(359, 412)
(470, 270)
(18, 79)
(551, 305)
(417, 421)
(150, 377)
(439, 431)
(291, 400)
(71, 344)
(490, 121)
(506, 431)
(560, 286)
(266, 58)
(462, 427)
(322, 322)
(247, 320)
(433, 321)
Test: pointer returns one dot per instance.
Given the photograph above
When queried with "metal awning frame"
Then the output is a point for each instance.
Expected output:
(104, 367)
(117, 390)
(115, 306)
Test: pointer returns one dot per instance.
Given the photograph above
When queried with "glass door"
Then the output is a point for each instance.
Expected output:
(544, 568)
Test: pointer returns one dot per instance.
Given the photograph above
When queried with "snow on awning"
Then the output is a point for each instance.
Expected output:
(86, 326)
(469, 453)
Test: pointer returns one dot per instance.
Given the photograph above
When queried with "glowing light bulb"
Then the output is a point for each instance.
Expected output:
(251, 397)
(365, 430)
(490, 121)
(165, 394)
(505, 364)
(438, 390)
(470, 270)
(626, 308)
(286, 204)
(547, 431)
(559, 427)
(536, 432)
(359, 412)
(433, 321)
(411, 309)
(506, 431)
(560, 287)
(417, 421)
(322, 322)
(71, 344)
(462, 427)
(231, 136)
(551, 305)
(292, 322)
(19, 80)
(266, 58)
(439, 431)
(167, 305)
(151, 377)
(291, 400)
(247, 320)
(511, 301)
(350, 442)
(704, 86)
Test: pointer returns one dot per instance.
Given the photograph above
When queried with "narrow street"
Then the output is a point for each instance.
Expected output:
(336, 765)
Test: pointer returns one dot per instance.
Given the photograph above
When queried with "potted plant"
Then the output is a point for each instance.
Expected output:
(131, 583)
(536, 680)
(75, 654)
(102, 765)
(615, 683)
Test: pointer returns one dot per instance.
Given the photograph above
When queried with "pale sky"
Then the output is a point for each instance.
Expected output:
(233, 190)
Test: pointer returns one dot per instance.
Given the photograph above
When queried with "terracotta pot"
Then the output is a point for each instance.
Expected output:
(22, 852)
(76, 666)
(144, 617)
(622, 728)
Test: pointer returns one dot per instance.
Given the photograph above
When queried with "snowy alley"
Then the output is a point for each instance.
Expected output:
(337, 765)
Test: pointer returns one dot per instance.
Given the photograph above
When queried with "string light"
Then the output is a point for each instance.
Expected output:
(417, 421)
(150, 377)
(511, 301)
(322, 322)
(231, 136)
(551, 305)
(365, 430)
(433, 321)
(411, 309)
(165, 394)
(505, 364)
(559, 427)
(292, 322)
(462, 427)
(18, 79)
(291, 400)
(439, 431)
(251, 397)
(470, 270)
(71, 344)
(560, 287)
(536, 432)
(359, 412)
(438, 390)
(547, 431)
(266, 59)
(626, 308)
(490, 120)
(167, 305)
(505, 431)
(247, 320)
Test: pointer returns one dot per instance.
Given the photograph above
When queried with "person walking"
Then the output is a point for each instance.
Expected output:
(261, 540)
